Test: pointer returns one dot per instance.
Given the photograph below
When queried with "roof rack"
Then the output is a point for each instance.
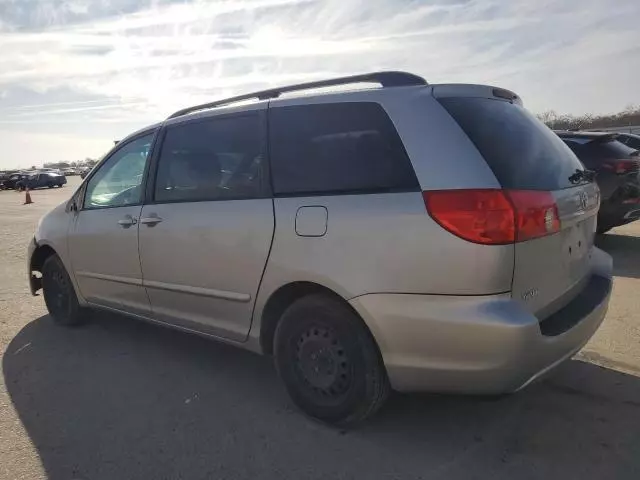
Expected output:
(385, 79)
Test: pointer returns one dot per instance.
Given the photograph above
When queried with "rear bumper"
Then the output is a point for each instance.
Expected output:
(479, 345)
(623, 206)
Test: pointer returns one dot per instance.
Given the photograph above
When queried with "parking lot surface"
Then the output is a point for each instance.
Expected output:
(120, 399)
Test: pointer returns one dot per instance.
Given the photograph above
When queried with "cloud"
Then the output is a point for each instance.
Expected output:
(137, 61)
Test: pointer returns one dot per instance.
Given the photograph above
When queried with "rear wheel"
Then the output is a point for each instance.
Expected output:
(59, 295)
(329, 362)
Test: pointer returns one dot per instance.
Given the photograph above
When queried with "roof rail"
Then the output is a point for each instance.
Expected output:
(385, 79)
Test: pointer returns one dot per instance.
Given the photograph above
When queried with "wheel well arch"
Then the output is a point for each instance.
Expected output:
(280, 300)
(39, 256)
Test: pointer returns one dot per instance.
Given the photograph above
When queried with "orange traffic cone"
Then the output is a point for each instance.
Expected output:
(27, 196)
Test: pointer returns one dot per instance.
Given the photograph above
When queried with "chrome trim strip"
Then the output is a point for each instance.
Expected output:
(200, 291)
(111, 278)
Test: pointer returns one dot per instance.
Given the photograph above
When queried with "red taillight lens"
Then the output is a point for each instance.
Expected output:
(536, 214)
(622, 166)
(480, 216)
(494, 217)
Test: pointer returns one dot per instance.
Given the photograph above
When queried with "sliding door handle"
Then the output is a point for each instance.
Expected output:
(151, 220)
(127, 221)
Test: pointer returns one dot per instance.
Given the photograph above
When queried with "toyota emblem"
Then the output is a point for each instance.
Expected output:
(583, 200)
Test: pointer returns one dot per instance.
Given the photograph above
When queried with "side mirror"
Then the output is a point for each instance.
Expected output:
(72, 205)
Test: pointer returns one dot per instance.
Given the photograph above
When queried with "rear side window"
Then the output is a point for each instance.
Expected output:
(218, 158)
(630, 141)
(614, 149)
(337, 148)
(594, 152)
(523, 153)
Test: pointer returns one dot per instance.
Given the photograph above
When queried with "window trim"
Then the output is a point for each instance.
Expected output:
(351, 191)
(348, 191)
(266, 190)
(114, 151)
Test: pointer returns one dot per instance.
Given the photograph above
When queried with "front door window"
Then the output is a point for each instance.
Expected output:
(118, 182)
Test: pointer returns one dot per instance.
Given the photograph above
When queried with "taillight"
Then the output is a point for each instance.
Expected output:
(622, 167)
(494, 217)
(536, 214)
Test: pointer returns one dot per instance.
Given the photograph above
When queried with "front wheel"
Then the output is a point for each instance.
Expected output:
(329, 361)
(59, 295)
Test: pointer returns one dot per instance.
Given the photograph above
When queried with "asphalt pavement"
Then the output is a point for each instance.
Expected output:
(119, 399)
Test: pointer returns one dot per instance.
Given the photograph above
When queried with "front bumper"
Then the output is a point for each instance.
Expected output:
(478, 344)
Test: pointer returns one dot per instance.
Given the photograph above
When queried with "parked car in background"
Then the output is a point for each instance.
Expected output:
(416, 237)
(41, 180)
(3, 178)
(68, 172)
(57, 171)
(617, 168)
(84, 172)
(630, 140)
(13, 179)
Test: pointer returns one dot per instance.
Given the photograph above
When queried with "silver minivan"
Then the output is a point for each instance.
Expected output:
(412, 237)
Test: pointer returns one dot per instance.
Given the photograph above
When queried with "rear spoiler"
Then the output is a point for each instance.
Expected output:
(601, 138)
(610, 137)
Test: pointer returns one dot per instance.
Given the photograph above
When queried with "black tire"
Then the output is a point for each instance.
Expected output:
(59, 295)
(50, 185)
(329, 361)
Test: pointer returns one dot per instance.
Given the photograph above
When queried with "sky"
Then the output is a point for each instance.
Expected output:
(77, 74)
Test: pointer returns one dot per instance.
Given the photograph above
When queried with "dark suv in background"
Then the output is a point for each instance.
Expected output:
(41, 180)
(630, 140)
(617, 168)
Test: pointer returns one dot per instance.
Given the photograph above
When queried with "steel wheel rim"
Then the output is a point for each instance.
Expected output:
(322, 363)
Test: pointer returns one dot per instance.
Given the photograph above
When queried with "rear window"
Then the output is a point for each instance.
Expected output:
(522, 152)
(337, 148)
(594, 152)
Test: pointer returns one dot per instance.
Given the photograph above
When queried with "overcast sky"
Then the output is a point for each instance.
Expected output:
(77, 74)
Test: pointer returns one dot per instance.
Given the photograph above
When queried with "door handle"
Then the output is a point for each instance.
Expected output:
(127, 221)
(151, 220)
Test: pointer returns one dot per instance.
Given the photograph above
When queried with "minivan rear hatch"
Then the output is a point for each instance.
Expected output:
(526, 156)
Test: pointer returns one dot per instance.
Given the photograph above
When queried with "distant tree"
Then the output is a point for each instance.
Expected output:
(629, 116)
(549, 117)
(57, 165)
